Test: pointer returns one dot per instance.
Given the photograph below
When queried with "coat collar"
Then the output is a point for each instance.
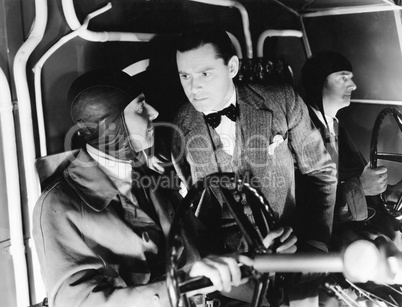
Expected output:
(255, 116)
(95, 188)
(92, 185)
(248, 96)
(317, 122)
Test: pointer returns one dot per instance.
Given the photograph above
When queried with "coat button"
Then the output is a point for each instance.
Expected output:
(155, 299)
(145, 236)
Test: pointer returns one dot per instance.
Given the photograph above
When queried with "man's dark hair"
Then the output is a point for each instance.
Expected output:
(201, 34)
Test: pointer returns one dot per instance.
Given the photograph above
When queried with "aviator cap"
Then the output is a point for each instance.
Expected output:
(101, 95)
(98, 100)
(316, 70)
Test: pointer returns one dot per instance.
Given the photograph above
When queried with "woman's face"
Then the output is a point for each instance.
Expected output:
(138, 117)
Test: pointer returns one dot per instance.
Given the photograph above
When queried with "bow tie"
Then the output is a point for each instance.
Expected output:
(214, 119)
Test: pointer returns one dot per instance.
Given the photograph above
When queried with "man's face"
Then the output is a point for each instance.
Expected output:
(205, 78)
(138, 116)
(337, 89)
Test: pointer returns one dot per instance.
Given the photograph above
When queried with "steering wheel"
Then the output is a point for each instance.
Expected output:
(231, 199)
(394, 209)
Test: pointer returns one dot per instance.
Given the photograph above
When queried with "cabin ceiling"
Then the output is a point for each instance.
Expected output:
(170, 16)
(308, 5)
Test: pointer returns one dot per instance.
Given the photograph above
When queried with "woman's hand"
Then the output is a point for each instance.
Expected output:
(281, 240)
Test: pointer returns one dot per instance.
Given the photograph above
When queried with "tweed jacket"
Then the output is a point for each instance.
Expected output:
(274, 135)
(90, 254)
(351, 202)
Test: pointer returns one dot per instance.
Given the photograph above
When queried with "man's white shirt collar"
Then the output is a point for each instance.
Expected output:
(330, 120)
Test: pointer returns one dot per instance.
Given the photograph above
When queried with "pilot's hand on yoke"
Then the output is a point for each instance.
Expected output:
(374, 180)
(223, 271)
(281, 241)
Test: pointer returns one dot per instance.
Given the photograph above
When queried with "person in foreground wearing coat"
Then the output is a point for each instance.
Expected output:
(260, 132)
(100, 228)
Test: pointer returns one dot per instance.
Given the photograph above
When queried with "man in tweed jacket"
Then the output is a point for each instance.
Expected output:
(271, 138)
(261, 133)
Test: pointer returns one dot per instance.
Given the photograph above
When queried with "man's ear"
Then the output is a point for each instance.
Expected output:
(233, 65)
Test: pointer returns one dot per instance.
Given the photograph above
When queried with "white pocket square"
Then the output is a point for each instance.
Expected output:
(276, 141)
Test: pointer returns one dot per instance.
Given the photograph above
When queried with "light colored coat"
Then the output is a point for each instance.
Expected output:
(89, 254)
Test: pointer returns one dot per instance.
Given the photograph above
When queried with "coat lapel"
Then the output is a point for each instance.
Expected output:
(199, 146)
(80, 173)
(256, 126)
